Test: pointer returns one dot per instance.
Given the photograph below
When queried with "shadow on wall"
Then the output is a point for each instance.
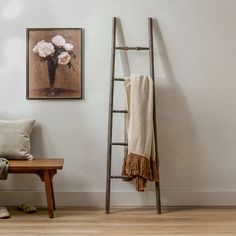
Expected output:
(37, 141)
(179, 146)
(123, 54)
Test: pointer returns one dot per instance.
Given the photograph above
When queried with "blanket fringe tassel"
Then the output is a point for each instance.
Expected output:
(141, 168)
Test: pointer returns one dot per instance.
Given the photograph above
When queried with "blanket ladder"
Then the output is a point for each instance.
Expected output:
(111, 111)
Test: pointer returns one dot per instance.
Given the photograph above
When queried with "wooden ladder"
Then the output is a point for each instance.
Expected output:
(111, 111)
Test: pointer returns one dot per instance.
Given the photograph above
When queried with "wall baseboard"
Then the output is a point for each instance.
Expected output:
(169, 198)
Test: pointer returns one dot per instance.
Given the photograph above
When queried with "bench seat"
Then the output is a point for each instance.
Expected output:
(45, 169)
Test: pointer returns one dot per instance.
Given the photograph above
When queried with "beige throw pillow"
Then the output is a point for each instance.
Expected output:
(15, 139)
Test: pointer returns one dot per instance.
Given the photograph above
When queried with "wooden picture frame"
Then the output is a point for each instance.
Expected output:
(54, 63)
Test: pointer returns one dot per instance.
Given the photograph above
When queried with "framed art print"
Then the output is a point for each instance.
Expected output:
(54, 63)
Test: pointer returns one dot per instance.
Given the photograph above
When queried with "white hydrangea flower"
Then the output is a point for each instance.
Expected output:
(68, 46)
(35, 49)
(64, 58)
(45, 49)
(59, 41)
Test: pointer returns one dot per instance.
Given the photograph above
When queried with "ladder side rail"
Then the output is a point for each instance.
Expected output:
(110, 117)
(152, 73)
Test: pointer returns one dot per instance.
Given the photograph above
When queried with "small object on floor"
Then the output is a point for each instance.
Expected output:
(27, 208)
(4, 213)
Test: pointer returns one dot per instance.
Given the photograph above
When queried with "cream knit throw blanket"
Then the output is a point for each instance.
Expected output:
(140, 162)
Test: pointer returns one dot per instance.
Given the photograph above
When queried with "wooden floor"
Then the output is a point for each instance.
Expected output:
(88, 221)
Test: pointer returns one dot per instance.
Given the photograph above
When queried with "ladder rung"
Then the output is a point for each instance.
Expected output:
(120, 111)
(132, 48)
(120, 144)
(119, 79)
(120, 177)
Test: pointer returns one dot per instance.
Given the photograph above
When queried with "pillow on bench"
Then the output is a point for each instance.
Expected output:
(15, 139)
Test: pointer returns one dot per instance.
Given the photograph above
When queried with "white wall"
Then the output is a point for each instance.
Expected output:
(195, 42)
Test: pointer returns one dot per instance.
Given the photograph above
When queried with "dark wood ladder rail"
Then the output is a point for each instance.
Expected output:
(45, 169)
(112, 111)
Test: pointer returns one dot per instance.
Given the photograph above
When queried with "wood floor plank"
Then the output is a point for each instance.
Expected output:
(205, 221)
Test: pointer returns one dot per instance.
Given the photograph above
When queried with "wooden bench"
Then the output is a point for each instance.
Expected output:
(45, 169)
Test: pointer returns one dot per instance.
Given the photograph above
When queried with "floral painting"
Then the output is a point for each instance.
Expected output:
(54, 62)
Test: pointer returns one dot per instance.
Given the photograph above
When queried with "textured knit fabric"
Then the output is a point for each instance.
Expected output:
(140, 161)
(4, 165)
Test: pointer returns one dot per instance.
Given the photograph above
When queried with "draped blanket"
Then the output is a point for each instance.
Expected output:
(4, 165)
(140, 161)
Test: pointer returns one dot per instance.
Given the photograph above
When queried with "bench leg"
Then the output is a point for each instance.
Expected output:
(49, 193)
(53, 196)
